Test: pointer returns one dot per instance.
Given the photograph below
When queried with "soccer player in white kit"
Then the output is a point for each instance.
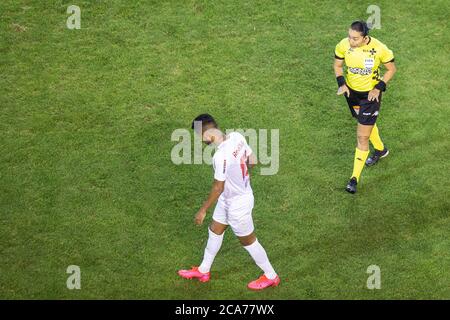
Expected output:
(233, 193)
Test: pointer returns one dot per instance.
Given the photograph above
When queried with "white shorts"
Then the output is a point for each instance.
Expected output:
(237, 213)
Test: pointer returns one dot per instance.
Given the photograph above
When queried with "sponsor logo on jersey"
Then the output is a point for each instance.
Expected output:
(361, 71)
(239, 147)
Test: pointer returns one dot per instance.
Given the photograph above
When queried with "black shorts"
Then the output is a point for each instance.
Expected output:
(365, 111)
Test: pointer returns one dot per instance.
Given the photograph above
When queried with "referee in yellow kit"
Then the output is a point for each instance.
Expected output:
(362, 87)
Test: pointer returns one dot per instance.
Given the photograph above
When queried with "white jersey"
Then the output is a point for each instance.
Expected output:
(230, 165)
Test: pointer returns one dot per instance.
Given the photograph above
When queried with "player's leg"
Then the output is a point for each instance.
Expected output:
(202, 273)
(216, 230)
(259, 255)
(241, 221)
(361, 153)
(215, 237)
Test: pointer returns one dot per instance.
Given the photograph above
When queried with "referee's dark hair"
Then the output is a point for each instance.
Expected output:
(360, 26)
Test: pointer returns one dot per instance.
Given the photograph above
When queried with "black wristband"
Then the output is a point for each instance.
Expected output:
(381, 85)
(340, 81)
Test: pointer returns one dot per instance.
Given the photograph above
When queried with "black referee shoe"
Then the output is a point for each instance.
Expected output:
(351, 186)
(376, 155)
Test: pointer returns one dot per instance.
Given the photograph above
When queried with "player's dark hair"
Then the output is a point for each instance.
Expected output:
(205, 119)
(360, 26)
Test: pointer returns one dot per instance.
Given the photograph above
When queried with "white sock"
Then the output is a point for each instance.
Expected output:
(212, 247)
(260, 256)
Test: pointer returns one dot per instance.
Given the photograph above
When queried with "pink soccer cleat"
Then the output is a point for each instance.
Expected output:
(263, 282)
(194, 273)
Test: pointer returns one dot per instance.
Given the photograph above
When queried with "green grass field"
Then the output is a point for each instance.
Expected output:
(86, 174)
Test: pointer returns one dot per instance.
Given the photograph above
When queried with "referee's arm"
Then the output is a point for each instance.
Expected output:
(390, 70)
(339, 72)
(338, 67)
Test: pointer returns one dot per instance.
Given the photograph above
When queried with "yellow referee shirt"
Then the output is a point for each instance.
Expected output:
(363, 62)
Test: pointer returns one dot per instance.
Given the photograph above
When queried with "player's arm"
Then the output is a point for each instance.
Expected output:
(251, 161)
(214, 194)
(338, 67)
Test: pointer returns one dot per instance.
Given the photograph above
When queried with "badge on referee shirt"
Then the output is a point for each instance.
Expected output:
(369, 63)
